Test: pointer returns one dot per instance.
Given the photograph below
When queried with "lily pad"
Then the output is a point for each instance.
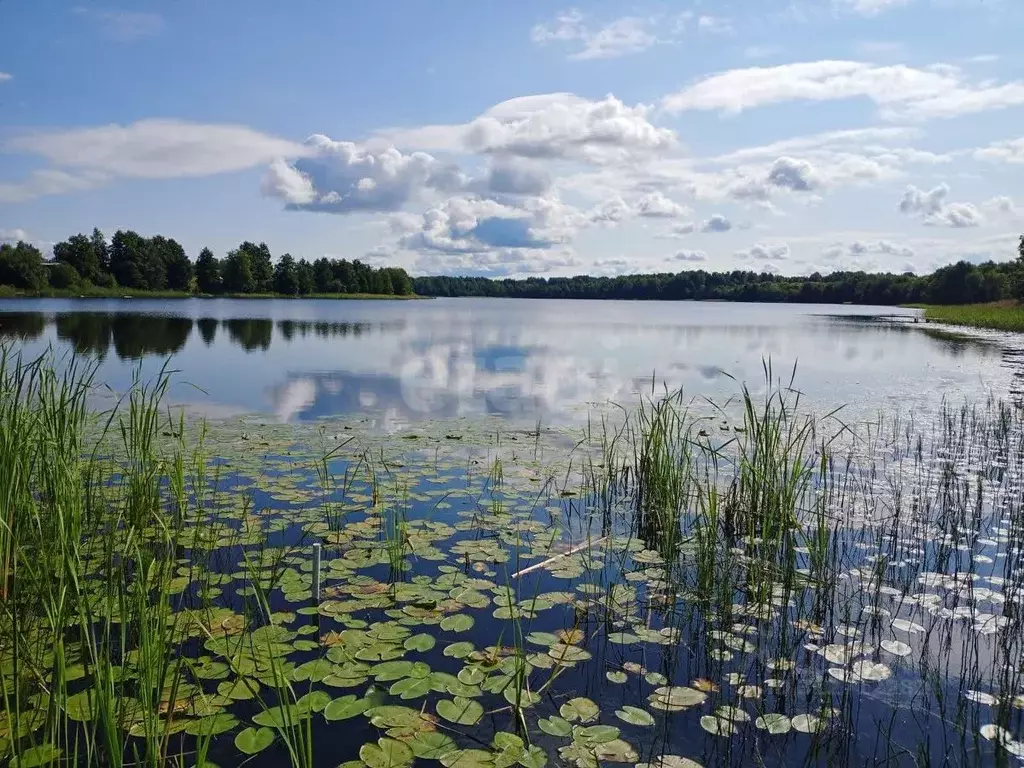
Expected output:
(254, 740)
(386, 753)
(345, 707)
(581, 709)
(461, 711)
(634, 716)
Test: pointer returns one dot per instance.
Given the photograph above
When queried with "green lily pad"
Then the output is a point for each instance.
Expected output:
(634, 716)
(345, 707)
(393, 716)
(42, 754)
(774, 723)
(459, 650)
(386, 753)
(254, 740)
(212, 725)
(431, 745)
(580, 709)
(461, 711)
(421, 642)
(616, 676)
(460, 622)
(392, 670)
(555, 726)
(411, 687)
(533, 757)
(468, 758)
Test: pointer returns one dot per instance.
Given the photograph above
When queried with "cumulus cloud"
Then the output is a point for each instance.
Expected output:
(692, 256)
(344, 177)
(718, 25)
(796, 175)
(900, 91)
(612, 211)
(933, 209)
(717, 223)
(550, 126)
(5, 76)
(508, 262)
(621, 37)
(765, 252)
(510, 176)
(656, 206)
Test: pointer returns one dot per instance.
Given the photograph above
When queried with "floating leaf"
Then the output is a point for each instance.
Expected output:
(807, 723)
(212, 725)
(42, 754)
(431, 745)
(459, 650)
(421, 642)
(717, 725)
(580, 709)
(394, 716)
(616, 676)
(468, 758)
(634, 715)
(774, 723)
(254, 740)
(386, 753)
(460, 622)
(555, 726)
(461, 711)
(345, 707)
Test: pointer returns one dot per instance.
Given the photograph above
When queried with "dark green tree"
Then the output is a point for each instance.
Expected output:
(208, 272)
(63, 276)
(80, 252)
(286, 277)
(21, 266)
(236, 272)
(129, 255)
(176, 265)
(260, 265)
(306, 277)
(323, 275)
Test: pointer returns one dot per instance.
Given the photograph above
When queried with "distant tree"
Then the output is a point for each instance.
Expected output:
(381, 283)
(306, 277)
(400, 281)
(236, 273)
(260, 265)
(100, 249)
(80, 252)
(208, 272)
(128, 259)
(1019, 277)
(176, 265)
(286, 278)
(63, 276)
(21, 266)
(323, 276)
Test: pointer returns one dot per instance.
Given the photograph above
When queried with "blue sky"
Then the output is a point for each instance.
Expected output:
(528, 138)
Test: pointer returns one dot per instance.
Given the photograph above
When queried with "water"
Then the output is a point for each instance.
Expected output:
(524, 360)
(481, 503)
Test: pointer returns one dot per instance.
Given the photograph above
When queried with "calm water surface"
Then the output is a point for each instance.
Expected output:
(523, 359)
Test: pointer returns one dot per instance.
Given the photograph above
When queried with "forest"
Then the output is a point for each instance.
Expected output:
(159, 263)
(960, 283)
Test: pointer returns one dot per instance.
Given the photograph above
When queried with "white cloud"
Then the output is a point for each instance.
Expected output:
(760, 51)
(854, 252)
(13, 235)
(717, 25)
(717, 223)
(124, 26)
(50, 181)
(344, 177)
(900, 91)
(620, 37)
(511, 176)
(692, 256)
(868, 7)
(656, 206)
(765, 252)
(1011, 151)
(795, 175)
(612, 211)
(5, 76)
(933, 209)
(156, 149)
(548, 126)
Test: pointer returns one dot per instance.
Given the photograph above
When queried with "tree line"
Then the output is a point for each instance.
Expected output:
(960, 283)
(159, 263)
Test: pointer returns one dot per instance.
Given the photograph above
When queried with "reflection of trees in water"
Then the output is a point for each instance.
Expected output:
(133, 335)
(22, 326)
(251, 333)
(207, 329)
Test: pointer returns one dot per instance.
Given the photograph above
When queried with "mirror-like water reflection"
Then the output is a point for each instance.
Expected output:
(526, 360)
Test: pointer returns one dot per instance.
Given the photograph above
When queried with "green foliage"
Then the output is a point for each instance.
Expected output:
(1000, 317)
(63, 276)
(21, 266)
(286, 276)
(208, 272)
(961, 283)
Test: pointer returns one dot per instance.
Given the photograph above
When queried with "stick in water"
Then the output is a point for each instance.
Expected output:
(571, 551)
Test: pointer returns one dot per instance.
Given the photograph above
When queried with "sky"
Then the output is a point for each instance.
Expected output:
(527, 138)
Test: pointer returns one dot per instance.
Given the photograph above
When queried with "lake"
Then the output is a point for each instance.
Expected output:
(525, 360)
(485, 534)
